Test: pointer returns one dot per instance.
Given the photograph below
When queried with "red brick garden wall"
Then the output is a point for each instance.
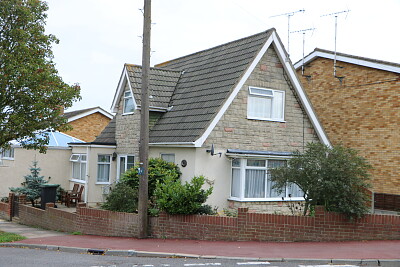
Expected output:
(324, 226)
(5, 210)
(269, 227)
(85, 220)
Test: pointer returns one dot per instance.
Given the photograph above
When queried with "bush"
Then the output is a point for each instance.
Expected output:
(176, 198)
(335, 177)
(122, 198)
(159, 169)
(31, 187)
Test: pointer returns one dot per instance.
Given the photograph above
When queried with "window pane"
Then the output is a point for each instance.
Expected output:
(83, 158)
(121, 166)
(255, 184)
(294, 191)
(130, 162)
(256, 163)
(236, 163)
(83, 171)
(235, 190)
(74, 157)
(260, 107)
(278, 105)
(103, 171)
(168, 157)
(103, 158)
(76, 170)
(128, 105)
(273, 192)
(260, 91)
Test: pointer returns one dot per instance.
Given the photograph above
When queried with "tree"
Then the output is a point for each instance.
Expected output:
(32, 94)
(31, 187)
(335, 177)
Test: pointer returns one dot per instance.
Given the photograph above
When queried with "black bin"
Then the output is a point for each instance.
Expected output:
(48, 194)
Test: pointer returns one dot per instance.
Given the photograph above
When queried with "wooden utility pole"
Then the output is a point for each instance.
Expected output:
(144, 124)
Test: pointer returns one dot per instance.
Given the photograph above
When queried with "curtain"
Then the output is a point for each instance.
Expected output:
(235, 188)
(254, 184)
(277, 111)
(260, 107)
(103, 172)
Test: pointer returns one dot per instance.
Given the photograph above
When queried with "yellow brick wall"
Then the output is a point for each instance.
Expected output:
(362, 112)
(88, 127)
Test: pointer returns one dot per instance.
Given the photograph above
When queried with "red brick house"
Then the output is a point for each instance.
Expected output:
(360, 108)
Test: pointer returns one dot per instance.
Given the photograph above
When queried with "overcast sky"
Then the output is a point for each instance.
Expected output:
(98, 36)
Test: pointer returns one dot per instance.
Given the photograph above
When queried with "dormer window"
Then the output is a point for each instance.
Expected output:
(265, 104)
(128, 102)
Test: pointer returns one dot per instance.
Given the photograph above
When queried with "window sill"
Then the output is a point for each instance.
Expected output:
(77, 181)
(103, 183)
(264, 119)
(7, 158)
(128, 113)
(275, 199)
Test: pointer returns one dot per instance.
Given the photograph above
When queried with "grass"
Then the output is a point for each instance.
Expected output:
(10, 237)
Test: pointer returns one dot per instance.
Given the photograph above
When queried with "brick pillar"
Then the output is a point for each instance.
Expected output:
(80, 205)
(242, 222)
(10, 204)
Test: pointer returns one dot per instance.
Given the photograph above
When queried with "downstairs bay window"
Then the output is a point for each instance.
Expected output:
(251, 181)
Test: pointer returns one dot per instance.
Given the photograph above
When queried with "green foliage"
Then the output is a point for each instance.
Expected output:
(159, 169)
(31, 187)
(31, 91)
(122, 198)
(230, 212)
(336, 178)
(10, 237)
(176, 198)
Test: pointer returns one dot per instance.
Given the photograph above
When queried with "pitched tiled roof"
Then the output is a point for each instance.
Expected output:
(207, 79)
(161, 85)
(107, 136)
(77, 112)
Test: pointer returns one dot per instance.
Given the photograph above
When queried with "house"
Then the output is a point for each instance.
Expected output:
(229, 113)
(16, 161)
(87, 123)
(358, 107)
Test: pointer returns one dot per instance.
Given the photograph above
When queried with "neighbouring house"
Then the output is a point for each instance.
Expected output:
(229, 113)
(16, 161)
(359, 106)
(87, 123)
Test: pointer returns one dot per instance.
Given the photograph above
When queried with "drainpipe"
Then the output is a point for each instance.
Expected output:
(87, 174)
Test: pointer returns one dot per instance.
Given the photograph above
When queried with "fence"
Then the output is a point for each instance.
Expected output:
(324, 226)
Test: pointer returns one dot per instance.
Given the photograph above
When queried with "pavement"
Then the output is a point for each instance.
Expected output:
(388, 250)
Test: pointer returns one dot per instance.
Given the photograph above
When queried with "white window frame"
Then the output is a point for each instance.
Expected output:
(128, 96)
(81, 159)
(7, 154)
(243, 167)
(103, 163)
(162, 155)
(126, 164)
(257, 92)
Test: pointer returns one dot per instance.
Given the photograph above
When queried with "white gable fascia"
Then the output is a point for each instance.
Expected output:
(120, 90)
(273, 39)
(351, 60)
(90, 112)
(300, 91)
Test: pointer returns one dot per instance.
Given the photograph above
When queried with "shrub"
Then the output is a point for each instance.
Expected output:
(122, 198)
(176, 198)
(335, 177)
(159, 169)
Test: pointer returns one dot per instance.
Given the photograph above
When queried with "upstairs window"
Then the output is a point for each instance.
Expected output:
(128, 102)
(265, 104)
